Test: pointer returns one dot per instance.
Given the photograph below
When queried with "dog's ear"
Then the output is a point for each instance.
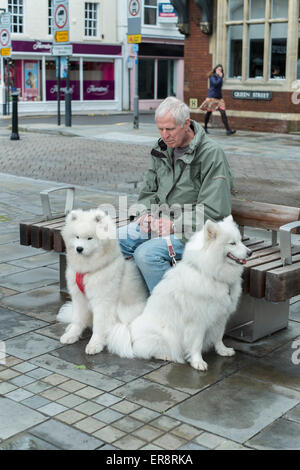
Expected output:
(106, 229)
(229, 218)
(211, 230)
(72, 216)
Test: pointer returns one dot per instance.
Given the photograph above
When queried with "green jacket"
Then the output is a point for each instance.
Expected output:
(202, 176)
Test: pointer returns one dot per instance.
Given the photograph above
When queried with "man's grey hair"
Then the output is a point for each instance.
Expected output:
(179, 110)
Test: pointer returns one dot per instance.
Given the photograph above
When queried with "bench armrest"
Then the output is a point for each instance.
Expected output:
(70, 195)
(285, 241)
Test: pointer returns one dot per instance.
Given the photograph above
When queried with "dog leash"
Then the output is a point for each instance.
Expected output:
(172, 253)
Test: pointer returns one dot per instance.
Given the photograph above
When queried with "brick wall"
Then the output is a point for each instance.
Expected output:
(197, 65)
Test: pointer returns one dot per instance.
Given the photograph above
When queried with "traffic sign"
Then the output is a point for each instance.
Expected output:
(5, 34)
(134, 38)
(60, 21)
(134, 22)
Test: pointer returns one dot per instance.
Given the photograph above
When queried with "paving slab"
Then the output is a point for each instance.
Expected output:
(14, 324)
(280, 367)
(151, 395)
(28, 280)
(42, 303)
(236, 408)
(106, 363)
(86, 376)
(65, 437)
(183, 377)
(30, 345)
(15, 418)
(26, 441)
(280, 435)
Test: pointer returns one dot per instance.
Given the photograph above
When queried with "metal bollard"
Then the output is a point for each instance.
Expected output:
(15, 132)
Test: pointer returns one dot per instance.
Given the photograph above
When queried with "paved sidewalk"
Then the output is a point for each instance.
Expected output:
(56, 397)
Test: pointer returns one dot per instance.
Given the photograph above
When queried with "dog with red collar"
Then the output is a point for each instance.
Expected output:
(107, 291)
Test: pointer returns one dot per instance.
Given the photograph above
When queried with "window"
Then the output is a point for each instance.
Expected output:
(15, 7)
(298, 62)
(49, 16)
(257, 39)
(150, 12)
(157, 78)
(90, 19)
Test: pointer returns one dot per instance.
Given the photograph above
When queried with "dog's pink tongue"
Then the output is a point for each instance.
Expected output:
(243, 261)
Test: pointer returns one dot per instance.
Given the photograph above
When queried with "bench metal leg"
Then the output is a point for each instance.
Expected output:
(62, 273)
(256, 318)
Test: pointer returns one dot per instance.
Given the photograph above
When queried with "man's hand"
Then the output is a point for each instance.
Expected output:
(159, 225)
(162, 226)
(144, 221)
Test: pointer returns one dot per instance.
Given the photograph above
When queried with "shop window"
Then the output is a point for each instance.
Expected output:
(25, 77)
(165, 79)
(256, 50)
(257, 9)
(235, 10)
(257, 39)
(15, 7)
(279, 9)
(90, 19)
(51, 79)
(150, 12)
(146, 79)
(278, 50)
(157, 78)
(98, 80)
(235, 51)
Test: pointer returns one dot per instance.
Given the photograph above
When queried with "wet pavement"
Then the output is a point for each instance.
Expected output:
(54, 396)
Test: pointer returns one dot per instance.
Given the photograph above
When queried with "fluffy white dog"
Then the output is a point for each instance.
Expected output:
(107, 292)
(188, 310)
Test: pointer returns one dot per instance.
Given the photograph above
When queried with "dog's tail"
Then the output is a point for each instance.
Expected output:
(119, 341)
(65, 313)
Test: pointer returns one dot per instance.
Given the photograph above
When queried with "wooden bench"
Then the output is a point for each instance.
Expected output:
(271, 276)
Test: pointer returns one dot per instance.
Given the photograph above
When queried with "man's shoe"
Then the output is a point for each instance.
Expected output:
(206, 131)
(230, 132)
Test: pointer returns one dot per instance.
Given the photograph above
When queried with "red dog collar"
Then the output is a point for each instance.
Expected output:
(79, 281)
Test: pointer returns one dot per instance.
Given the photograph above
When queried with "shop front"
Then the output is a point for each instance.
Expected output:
(95, 76)
(160, 72)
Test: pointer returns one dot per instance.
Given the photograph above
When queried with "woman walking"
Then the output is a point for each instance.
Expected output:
(214, 100)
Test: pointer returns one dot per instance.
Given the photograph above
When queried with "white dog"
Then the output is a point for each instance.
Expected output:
(107, 292)
(188, 310)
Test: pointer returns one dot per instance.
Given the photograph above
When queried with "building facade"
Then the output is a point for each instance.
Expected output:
(95, 65)
(102, 65)
(258, 44)
(160, 55)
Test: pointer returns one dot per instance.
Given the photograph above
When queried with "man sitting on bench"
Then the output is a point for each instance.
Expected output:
(188, 171)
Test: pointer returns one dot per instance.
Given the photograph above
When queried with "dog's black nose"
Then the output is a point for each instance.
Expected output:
(249, 253)
(79, 249)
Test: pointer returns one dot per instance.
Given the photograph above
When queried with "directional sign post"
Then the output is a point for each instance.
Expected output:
(5, 52)
(134, 36)
(61, 47)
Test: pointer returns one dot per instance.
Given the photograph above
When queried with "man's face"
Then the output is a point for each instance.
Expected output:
(173, 134)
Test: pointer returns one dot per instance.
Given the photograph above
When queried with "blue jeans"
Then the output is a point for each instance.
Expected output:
(151, 255)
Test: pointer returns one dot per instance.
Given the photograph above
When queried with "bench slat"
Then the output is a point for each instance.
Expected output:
(283, 283)
(263, 215)
(258, 275)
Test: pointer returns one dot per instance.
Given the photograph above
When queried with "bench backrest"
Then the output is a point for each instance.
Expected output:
(263, 215)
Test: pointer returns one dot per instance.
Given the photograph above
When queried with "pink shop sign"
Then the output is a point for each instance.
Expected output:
(98, 90)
